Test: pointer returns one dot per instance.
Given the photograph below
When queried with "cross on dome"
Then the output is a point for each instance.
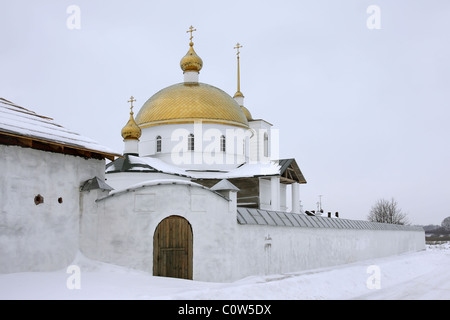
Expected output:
(132, 99)
(191, 29)
(238, 46)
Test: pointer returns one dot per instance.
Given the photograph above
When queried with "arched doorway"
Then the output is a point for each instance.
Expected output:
(172, 248)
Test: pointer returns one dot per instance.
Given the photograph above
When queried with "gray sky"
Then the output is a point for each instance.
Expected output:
(365, 112)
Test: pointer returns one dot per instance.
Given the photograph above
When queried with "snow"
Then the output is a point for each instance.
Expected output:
(418, 276)
(154, 183)
(246, 170)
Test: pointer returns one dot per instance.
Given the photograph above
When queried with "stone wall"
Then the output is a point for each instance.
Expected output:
(43, 236)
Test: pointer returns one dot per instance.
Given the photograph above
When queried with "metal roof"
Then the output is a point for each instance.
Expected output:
(126, 164)
(277, 218)
(224, 184)
(95, 183)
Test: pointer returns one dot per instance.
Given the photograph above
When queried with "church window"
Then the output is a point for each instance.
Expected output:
(60, 200)
(222, 144)
(266, 145)
(158, 144)
(191, 142)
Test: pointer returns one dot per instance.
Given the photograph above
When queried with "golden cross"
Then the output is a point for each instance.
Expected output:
(191, 29)
(238, 46)
(131, 100)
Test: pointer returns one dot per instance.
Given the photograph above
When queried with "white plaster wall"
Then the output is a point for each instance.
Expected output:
(40, 237)
(121, 180)
(294, 249)
(283, 198)
(207, 138)
(259, 127)
(121, 230)
(265, 194)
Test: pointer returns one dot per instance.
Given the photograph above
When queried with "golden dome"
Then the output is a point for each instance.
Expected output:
(191, 61)
(131, 129)
(247, 113)
(188, 102)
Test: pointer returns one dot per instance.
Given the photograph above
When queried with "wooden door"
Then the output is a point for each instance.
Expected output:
(172, 248)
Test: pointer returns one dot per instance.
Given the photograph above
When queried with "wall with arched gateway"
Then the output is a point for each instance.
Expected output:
(230, 243)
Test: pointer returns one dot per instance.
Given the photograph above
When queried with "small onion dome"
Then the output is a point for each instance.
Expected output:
(191, 61)
(131, 129)
(247, 113)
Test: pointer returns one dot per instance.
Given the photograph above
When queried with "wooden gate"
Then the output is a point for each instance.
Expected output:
(172, 248)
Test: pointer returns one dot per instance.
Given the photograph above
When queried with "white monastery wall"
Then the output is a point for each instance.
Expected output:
(40, 237)
(277, 249)
(120, 230)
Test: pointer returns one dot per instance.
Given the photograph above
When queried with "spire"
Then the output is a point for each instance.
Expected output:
(131, 132)
(238, 96)
(238, 92)
(191, 63)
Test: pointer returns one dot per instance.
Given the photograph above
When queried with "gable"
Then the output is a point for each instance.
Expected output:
(290, 172)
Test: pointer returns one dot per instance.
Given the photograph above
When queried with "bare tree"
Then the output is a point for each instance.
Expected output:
(446, 224)
(387, 211)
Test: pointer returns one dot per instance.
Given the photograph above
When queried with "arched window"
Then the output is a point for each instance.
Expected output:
(266, 145)
(222, 143)
(158, 144)
(191, 142)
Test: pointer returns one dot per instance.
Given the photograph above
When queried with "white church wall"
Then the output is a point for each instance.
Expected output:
(206, 154)
(257, 144)
(122, 230)
(265, 194)
(274, 249)
(283, 198)
(45, 236)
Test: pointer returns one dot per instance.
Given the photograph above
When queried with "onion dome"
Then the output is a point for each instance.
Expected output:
(131, 129)
(191, 61)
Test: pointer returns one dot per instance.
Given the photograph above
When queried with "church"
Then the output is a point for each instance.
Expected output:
(198, 193)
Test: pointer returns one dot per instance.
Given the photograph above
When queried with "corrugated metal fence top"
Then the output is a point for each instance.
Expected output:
(277, 218)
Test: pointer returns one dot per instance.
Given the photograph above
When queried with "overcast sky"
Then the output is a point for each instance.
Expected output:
(365, 112)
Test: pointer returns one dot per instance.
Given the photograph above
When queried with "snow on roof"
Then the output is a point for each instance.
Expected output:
(246, 170)
(157, 182)
(225, 185)
(158, 165)
(19, 121)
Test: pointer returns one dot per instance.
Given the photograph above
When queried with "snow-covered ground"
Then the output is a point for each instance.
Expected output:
(418, 275)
